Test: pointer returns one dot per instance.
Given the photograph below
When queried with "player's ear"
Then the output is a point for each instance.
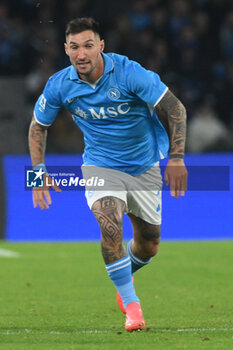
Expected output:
(102, 45)
(66, 48)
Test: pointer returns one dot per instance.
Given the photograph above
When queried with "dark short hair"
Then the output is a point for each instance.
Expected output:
(79, 25)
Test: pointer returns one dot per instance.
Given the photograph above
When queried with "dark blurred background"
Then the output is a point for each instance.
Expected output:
(189, 43)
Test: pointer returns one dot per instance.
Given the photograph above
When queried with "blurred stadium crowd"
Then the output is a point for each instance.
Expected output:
(189, 43)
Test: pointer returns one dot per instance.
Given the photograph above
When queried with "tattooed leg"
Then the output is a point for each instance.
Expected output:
(146, 239)
(108, 211)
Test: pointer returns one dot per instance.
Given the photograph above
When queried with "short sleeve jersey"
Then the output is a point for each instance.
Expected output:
(116, 115)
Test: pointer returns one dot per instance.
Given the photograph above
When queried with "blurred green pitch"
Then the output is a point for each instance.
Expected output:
(58, 296)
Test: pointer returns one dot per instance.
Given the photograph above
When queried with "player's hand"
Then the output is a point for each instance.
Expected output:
(41, 195)
(176, 177)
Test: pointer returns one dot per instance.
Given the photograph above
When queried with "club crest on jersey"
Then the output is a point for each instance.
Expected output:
(114, 94)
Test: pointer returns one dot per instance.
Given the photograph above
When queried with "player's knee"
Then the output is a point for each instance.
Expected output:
(150, 239)
(151, 248)
(154, 248)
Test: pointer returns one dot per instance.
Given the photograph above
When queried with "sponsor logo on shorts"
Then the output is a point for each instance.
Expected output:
(90, 194)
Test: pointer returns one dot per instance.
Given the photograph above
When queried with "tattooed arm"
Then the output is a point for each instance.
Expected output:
(176, 173)
(176, 114)
(37, 143)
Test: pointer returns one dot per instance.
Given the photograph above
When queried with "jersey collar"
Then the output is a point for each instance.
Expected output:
(108, 67)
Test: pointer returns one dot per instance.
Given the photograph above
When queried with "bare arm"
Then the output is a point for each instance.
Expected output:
(176, 114)
(37, 142)
(176, 173)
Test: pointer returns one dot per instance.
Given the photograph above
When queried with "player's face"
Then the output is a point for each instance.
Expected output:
(84, 50)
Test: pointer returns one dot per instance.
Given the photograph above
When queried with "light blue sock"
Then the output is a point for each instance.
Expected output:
(135, 261)
(120, 274)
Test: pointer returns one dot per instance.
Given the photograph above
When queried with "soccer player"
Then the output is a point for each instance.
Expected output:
(114, 101)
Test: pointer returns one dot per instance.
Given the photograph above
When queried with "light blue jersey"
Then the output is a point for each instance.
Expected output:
(116, 115)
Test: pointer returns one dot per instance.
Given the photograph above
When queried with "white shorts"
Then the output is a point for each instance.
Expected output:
(141, 194)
